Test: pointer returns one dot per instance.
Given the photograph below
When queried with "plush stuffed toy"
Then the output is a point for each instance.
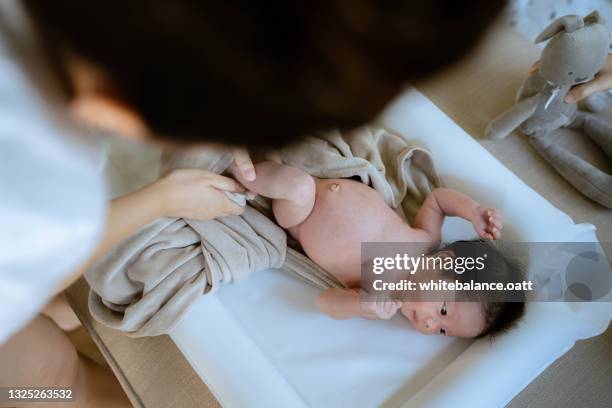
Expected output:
(576, 51)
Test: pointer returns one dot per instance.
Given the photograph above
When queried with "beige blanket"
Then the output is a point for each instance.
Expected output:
(147, 283)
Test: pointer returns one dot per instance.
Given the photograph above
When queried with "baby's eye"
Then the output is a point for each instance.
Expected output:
(443, 332)
(443, 310)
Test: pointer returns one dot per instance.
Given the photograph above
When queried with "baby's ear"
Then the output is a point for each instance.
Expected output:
(568, 24)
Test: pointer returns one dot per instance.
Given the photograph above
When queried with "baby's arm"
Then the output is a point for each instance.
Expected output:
(444, 201)
(344, 304)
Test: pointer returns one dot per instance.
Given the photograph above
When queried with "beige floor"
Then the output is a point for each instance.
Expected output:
(155, 374)
(151, 370)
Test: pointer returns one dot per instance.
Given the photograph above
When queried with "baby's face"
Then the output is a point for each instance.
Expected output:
(458, 319)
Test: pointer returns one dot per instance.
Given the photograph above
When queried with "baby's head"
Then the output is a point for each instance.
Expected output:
(466, 313)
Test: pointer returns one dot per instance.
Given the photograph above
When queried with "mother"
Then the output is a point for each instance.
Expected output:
(250, 75)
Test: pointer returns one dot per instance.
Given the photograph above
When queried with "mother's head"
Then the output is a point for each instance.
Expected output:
(257, 74)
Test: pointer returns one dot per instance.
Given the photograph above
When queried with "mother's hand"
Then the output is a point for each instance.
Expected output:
(185, 193)
(196, 194)
(601, 82)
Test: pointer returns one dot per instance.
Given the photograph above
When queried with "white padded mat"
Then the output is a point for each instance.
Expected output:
(262, 343)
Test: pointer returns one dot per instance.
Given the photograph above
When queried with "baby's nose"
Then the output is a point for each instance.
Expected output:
(429, 325)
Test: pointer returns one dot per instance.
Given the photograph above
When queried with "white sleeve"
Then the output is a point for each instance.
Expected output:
(52, 199)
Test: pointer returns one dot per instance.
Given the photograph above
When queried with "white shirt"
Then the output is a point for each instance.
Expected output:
(52, 191)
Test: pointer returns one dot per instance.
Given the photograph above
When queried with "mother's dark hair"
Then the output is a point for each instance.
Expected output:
(261, 73)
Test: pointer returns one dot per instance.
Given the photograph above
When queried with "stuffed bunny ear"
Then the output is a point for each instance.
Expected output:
(594, 17)
(566, 23)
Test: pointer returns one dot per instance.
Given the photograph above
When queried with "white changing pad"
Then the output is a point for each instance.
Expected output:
(262, 343)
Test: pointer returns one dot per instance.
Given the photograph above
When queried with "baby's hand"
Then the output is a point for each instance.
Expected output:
(380, 309)
(487, 222)
(601, 82)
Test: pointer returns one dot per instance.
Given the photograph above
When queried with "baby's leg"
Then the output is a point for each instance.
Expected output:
(292, 190)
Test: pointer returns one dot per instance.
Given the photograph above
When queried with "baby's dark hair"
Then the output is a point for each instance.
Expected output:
(259, 74)
(502, 309)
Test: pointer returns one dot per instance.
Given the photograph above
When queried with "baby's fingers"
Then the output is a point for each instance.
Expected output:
(393, 305)
(494, 218)
(488, 236)
(496, 222)
(494, 232)
(389, 309)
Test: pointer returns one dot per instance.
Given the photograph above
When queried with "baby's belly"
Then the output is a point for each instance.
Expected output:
(346, 213)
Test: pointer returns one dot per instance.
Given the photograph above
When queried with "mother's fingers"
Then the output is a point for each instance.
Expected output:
(226, 206)
(244, 164)
(224, 183)
(232, 208)
(600, 83)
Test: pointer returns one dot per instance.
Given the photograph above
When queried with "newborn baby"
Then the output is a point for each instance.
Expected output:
(332, 217)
